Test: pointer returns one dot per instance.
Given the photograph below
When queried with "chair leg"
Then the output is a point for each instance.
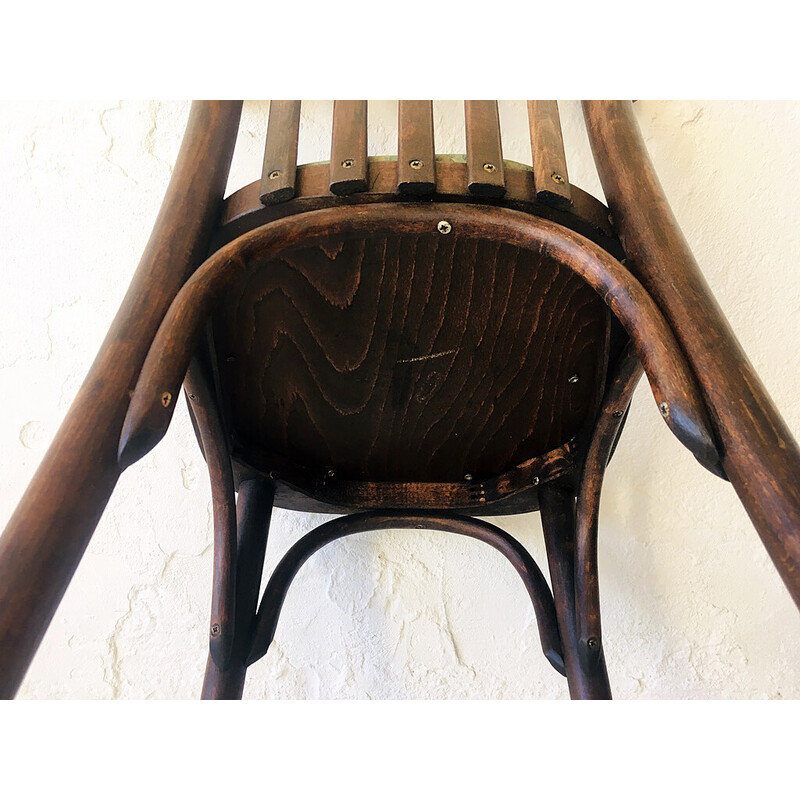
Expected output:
(56, 517)
(253, 512)
(586, 671)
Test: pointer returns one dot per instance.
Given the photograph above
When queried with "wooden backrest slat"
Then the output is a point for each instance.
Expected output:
(280, 152)
(349, 147)
(550, 179)
(485, 172)
(416, 167)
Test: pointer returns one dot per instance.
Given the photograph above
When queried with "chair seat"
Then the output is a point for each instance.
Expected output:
(431, 359)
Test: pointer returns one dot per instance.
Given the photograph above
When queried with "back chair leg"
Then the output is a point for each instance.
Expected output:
(585, 665)
(46, 537)
(253, 513)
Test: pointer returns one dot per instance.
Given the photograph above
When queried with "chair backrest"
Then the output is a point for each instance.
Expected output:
(416, 156)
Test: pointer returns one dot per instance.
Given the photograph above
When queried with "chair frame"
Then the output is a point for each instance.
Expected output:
(679, 337)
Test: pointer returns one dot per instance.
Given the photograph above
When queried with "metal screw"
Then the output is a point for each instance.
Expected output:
(592, 643)
(444, 227)
(418, 527)
(489, 168)
(535, 481)
(468, 477)
(166, 399)
(273, 475)
(618, 414)
(331, 473)
(664, 409)
(192, 396)
(573, 378)
(347, 163)
(276, 173)
(415, 163)
(230, 359)
(557, 178)
(215, 630)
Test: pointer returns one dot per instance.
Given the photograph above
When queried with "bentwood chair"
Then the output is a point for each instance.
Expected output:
(409, 343)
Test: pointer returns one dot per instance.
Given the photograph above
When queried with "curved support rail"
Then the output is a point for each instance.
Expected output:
(615, 403)
(223, 498)
(760, 455)
(281, 579)
(671, 380)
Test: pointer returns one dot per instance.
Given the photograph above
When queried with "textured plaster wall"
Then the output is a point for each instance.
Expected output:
(692, 606)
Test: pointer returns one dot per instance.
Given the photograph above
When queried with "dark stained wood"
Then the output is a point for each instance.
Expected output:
(409, 359)
(586, 680)
(371, 353)
(244, 211)
(214, 443)
(550, 178)
(253, 512)
(760, 455)
(280, 152)
(281, 579)
(623, 382)
(413, 225)
(48, 533)
(511, 492)
(416, 157)
(349, 147)
(485, 169)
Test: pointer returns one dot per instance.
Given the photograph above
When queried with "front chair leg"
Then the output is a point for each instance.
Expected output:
(586, 671)
(253, 513)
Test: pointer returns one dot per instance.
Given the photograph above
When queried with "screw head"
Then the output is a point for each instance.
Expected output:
(444, 227)
(415, 163)
(468, 477)
(276, 173)
(617, 414)
(535, 481)
(348, 163)
(557, 178)
(215, 630)
(592, 643)
(331, 473)
(664, 409)
(573, 378)
(489, 168)
(166, 399)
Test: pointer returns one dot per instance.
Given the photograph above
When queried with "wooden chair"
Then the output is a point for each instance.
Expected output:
(409, 343)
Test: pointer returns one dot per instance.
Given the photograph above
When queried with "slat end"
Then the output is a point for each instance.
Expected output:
(480, 189)
(342, 188)
(277, 196)
(554, 200)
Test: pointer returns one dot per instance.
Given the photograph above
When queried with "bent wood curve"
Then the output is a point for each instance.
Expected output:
(214, 444)
(281, 579)
(615, 404)
(55, 519)
(672, 383)
(760, 455)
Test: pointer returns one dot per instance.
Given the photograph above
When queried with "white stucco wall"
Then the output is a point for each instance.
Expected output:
(692, 605)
